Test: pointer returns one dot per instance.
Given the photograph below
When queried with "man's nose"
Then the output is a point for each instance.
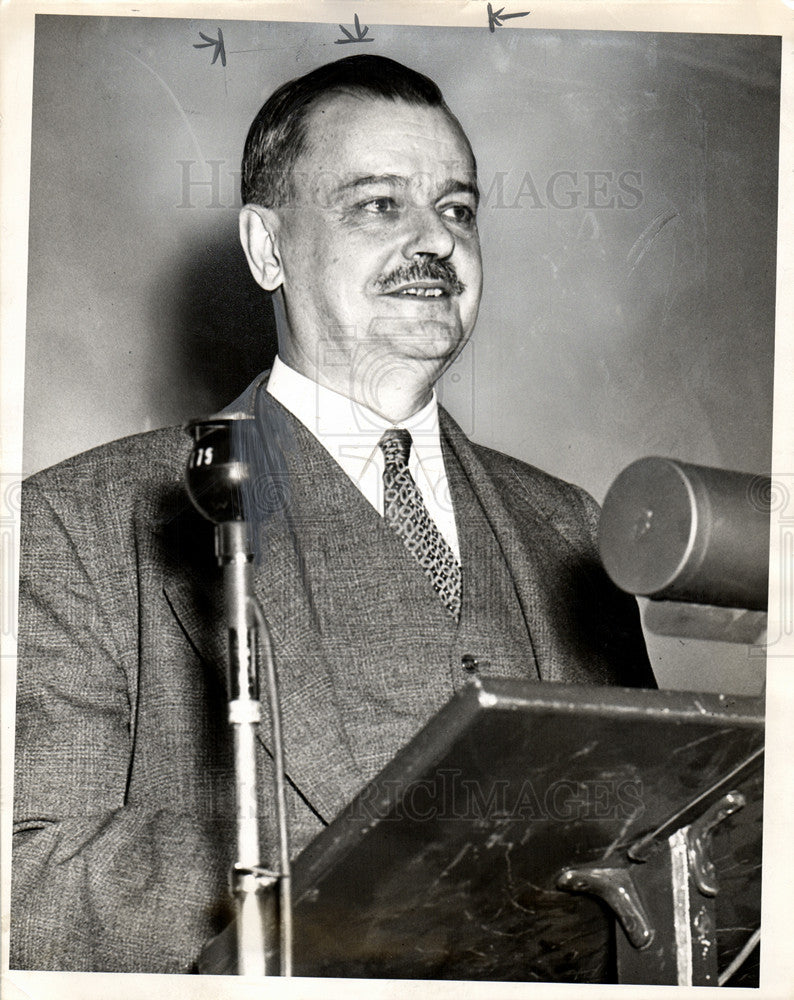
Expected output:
(427, 234)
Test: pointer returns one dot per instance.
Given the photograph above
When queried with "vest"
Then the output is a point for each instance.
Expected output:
(394, 654)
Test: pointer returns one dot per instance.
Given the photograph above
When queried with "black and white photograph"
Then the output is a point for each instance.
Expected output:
(396, 490)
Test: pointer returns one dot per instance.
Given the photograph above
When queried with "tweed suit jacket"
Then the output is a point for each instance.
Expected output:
(123, 789)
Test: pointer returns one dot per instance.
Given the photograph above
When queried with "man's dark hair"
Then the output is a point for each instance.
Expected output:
(278, 133)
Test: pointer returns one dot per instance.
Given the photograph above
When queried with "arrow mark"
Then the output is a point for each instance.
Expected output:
(220, 48)
(495, 18)
(359, 35)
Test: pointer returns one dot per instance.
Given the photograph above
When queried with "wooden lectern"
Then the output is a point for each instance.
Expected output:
(552, 833)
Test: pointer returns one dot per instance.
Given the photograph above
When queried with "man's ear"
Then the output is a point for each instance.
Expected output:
(258, 228)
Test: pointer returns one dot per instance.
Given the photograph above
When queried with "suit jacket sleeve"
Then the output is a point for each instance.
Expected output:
(97, 884)
(584, 629)
(617, 612)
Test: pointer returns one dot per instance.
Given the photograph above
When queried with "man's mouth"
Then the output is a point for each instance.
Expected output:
(426, 279)
(422, 291)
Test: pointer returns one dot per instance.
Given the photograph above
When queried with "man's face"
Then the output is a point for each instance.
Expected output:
(379, 249)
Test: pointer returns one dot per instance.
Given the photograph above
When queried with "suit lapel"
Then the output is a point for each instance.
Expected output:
(318, 758)
(547, 573)
(317, 753)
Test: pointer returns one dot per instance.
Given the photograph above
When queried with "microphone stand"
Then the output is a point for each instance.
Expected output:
(216, 478)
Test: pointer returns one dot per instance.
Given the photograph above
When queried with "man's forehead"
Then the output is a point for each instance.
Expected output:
(362, 135)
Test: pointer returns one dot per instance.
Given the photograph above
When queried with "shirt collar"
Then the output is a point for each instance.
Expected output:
(348, 430)
(350, 433)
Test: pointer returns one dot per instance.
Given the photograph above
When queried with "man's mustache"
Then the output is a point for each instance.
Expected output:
(424, 270)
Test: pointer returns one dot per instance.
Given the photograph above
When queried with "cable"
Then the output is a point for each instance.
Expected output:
(741, 958)
(285, 880)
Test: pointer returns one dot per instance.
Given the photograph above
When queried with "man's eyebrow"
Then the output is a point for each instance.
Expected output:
(450, 186)
(455, 185)
(359, 182)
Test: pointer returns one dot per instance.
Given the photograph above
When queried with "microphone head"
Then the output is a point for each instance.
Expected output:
(218, 470)
(675, 531)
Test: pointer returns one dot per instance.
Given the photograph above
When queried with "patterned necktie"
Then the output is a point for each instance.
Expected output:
(405, 513)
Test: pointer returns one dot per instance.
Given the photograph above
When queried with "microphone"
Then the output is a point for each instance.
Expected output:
(219, 483)
(217, 479)
(670, 530)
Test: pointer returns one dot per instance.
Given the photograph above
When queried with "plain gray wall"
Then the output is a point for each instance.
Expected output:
(628, 233)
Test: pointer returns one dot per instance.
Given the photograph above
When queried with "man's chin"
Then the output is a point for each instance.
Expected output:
(438, 352)
(422, 338)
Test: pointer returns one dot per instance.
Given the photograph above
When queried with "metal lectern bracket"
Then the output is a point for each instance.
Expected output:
(616, 888)
(698, 836)
(643, 848)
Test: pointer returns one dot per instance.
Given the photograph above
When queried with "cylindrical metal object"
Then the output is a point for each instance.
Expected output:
(675, 531)
(219, 484)
(251, 933)
(256, 920)
(236, 559)
(244, 717)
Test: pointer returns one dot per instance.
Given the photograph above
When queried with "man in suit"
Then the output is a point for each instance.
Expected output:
(395, 559)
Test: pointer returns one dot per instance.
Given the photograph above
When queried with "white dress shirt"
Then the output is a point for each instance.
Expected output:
(350, 432)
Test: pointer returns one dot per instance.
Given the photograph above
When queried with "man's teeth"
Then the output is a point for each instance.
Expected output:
(432, 293)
